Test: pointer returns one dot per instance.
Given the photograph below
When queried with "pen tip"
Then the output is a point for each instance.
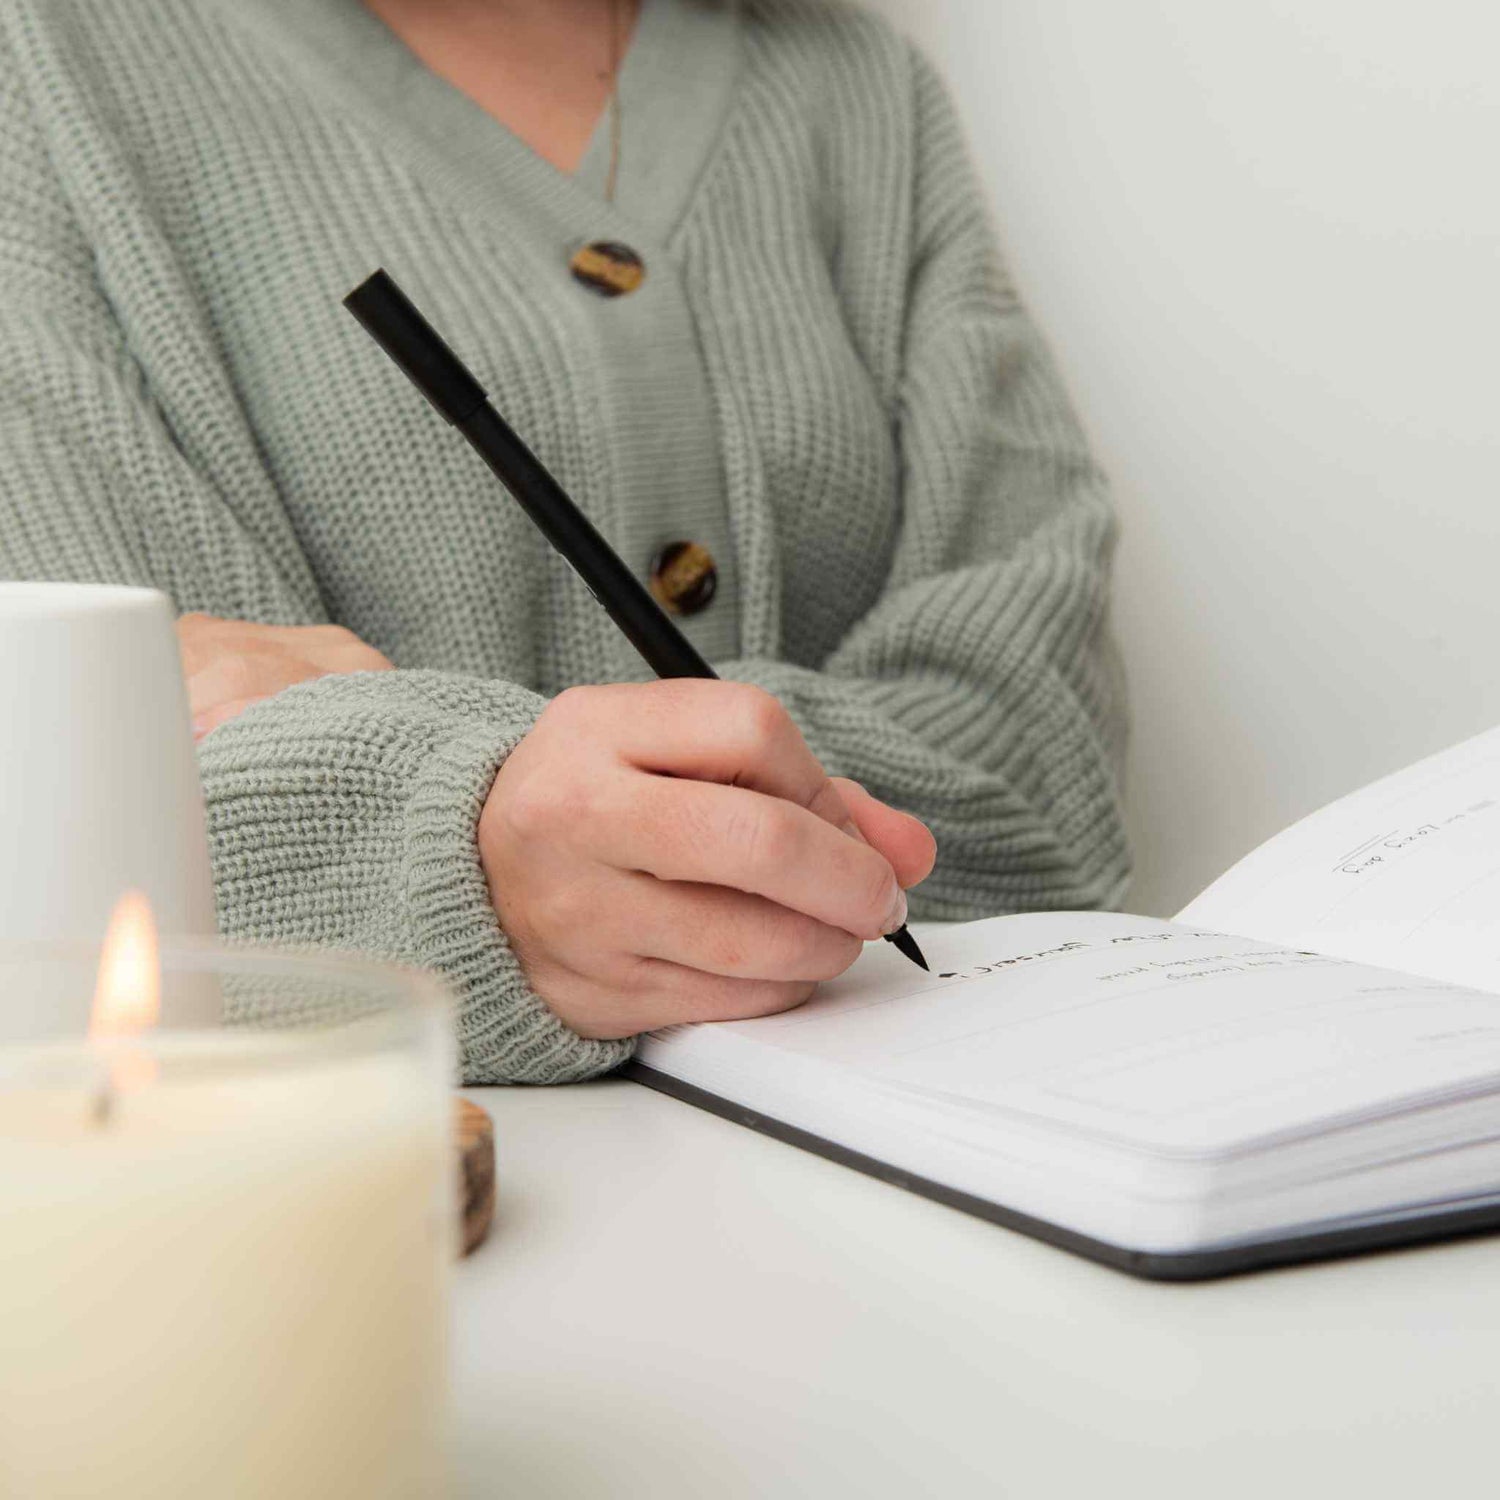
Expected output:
(908, 945)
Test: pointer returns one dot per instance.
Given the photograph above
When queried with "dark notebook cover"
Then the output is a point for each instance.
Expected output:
(1192, 1265)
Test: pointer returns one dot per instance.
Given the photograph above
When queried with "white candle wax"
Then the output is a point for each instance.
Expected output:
(235, 1287)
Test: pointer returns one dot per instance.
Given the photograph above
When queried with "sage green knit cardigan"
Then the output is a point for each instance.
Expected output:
(826, 379)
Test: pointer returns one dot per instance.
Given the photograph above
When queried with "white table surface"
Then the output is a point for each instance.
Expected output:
(671, 1305)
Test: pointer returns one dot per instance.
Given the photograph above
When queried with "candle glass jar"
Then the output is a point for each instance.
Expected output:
(225, 1239)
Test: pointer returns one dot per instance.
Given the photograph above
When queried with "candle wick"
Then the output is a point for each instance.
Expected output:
(102, 1111)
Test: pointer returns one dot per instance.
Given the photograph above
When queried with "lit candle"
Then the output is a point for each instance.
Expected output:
(223, 1253)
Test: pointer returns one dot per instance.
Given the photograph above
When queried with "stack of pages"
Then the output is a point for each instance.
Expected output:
(1305, 1062)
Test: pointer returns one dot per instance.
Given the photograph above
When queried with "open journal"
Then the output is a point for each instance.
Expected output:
(1306, 1062)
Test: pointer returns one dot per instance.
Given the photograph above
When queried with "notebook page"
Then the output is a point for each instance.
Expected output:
(1133, 1031)
(1404, 874)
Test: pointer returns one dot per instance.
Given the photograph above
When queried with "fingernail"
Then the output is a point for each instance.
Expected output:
(896, 917)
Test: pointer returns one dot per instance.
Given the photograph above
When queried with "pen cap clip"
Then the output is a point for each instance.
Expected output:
(392, 320)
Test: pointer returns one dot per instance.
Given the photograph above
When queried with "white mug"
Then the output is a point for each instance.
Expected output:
(99, 787)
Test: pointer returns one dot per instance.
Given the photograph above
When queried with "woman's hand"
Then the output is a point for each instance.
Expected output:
(673, 851)
(230, 664)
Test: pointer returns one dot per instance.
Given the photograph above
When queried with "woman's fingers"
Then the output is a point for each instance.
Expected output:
(659, 993)
(617, 952)
(230, 663)
(722, 931)
(209, 719)
(236, 679)
(709, 834)
(678, 994)
(727, 732)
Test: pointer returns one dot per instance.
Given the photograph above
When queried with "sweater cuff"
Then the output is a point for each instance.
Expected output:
(506, 1031)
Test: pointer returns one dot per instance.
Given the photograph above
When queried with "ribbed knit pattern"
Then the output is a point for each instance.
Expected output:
(827, 377)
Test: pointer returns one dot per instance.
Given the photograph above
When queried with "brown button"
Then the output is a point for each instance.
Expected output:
(609, 268)
(683, 577)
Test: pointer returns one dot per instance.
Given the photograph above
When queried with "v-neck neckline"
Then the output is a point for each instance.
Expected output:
(675, 86)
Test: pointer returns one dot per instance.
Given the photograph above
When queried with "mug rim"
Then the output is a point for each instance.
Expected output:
(42, 599)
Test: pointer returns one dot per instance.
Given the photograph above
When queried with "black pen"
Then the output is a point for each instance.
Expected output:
(390, 318)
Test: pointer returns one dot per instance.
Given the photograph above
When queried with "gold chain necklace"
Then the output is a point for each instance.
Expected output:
(607, 267)
(614, 100)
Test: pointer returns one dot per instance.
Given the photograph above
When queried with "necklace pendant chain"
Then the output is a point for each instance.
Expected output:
(614, 101)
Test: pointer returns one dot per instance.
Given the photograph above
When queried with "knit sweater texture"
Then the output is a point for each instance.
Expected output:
(826, 378)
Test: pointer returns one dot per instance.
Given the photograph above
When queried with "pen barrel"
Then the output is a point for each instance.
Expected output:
(619, 592)
(390, 317)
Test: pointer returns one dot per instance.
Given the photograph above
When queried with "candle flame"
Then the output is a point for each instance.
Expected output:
(127, 995)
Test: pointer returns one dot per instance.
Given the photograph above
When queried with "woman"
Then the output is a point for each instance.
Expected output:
(724, 266)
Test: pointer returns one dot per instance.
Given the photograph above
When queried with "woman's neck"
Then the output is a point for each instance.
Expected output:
(543, 68)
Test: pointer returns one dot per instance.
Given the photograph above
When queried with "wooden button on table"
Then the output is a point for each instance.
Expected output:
(474, 1135)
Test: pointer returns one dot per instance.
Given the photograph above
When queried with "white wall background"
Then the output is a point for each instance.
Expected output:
(1263, 237)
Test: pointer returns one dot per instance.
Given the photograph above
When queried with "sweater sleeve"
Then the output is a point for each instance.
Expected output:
(981, 692)
(342, 812)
